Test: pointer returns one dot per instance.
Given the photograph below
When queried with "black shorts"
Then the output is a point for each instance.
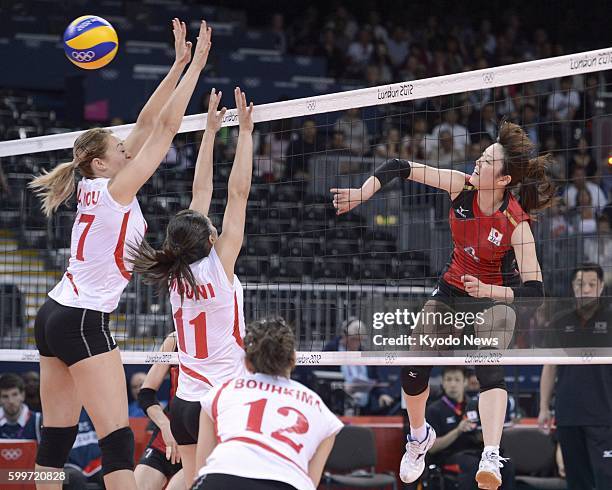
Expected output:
(220, 481)
(459, 300)
(461, 303)
(185, 421)
(157, 460)
(71, 334)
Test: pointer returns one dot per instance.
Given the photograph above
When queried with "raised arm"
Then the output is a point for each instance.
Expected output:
(450, 181)
(203, 178)
(230, 242)
(151, 111)
(128, 181)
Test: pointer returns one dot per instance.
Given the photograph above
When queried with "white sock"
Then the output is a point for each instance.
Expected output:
(418, 433)
(494, 449)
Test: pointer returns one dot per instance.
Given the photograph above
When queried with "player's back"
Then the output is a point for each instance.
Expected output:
(209, 328)
(98, 272)
(272, 425)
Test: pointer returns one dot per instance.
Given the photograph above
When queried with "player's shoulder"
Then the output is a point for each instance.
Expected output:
(466, 196)
(514, 212)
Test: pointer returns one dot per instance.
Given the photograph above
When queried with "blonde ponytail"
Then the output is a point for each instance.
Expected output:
(55, 187)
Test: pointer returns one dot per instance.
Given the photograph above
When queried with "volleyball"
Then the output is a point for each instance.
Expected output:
(90, 42)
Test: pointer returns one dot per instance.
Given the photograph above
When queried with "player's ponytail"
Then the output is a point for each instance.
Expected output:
(270, 346)
(57, 186)
(535, 189)
(187, 241)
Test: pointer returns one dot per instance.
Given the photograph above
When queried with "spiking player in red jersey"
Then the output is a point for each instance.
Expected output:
(491, 235)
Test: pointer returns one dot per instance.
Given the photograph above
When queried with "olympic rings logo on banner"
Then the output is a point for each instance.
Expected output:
(83, 56)
(488, 77)
(11, 454)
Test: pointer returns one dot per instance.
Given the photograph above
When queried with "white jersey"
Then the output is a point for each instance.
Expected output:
(97, 271)
(268, 427)
(209, 330)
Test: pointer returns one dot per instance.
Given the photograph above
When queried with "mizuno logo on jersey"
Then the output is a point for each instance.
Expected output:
(495, 237)
(461, 211)
(607, 454)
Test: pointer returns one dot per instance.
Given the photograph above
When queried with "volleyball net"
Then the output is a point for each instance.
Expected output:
(377, 264)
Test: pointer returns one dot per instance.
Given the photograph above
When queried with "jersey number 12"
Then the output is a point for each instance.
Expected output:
(256, 414)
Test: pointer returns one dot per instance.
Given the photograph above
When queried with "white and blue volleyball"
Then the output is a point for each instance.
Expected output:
(90, 42)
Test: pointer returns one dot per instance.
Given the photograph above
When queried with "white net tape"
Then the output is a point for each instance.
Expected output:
(510, 357)
(530, 71)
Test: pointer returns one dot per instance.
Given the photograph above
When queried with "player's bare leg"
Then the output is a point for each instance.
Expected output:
(100, 382)
(60, 403)
(498, 323)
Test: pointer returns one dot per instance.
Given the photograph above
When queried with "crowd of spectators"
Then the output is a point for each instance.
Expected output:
(380, 46)
(375, 46)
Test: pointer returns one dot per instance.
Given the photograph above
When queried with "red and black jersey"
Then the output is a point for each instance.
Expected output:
(481, 243)
(157, 441)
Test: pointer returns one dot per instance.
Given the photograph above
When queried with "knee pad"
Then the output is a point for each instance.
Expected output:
(55, 444)
(117, 451)
(490, 377)
(415, 379)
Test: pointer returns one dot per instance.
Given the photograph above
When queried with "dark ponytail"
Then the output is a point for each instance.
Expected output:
(270, 346)
(536, 190)
(187, 241)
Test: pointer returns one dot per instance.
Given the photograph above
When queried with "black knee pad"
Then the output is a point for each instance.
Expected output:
(117, 451)
(415, 379)
(55, 444)
(490, 377)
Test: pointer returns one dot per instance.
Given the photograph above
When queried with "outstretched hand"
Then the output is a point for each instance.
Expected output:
(214, 117)
(182, 48)
(346, 199)
(202, 48)
(245, 114)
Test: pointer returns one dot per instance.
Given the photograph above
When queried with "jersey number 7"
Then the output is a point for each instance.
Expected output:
(88, 219)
